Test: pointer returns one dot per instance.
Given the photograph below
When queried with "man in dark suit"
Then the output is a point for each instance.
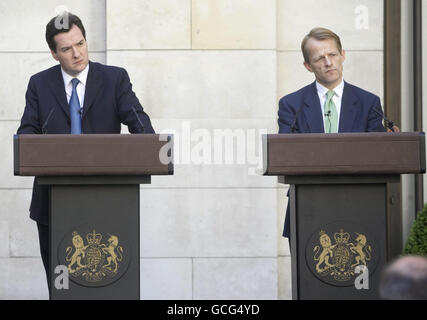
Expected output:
(329, 104)
(77, 96)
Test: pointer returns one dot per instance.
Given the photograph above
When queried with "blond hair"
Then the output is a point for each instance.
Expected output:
(319, 34)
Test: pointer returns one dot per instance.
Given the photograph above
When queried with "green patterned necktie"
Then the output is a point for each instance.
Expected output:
(331, 114)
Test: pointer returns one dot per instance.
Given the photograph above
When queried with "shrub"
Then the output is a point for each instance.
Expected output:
(417, 241)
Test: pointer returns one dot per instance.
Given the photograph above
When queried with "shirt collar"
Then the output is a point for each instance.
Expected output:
(322, 90)
(82, 76)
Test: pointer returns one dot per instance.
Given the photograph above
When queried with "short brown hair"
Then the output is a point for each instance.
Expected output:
(319, 34)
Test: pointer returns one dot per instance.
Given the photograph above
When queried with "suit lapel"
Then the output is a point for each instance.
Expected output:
(313, 111)
(349, 109)
(57, 87)
(94, 85)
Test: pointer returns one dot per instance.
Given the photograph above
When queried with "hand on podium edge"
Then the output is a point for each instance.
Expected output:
(395, 129)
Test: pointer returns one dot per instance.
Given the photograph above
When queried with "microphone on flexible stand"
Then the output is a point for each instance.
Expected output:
(139, 120)
(294, 123)
(44, 126)
(389, 123)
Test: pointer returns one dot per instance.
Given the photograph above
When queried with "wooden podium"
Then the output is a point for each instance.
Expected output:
(94, 204)
(345, 208)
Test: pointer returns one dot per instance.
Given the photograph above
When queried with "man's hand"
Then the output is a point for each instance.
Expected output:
(395, 129)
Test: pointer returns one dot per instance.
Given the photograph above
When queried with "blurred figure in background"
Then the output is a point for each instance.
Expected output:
(405, 279)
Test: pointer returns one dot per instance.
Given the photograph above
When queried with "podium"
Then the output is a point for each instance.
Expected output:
(94, 206)
(345, 209)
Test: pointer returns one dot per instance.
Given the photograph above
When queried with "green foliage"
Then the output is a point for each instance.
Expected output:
(417, 241)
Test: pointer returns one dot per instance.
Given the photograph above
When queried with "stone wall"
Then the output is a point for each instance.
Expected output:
(204, 70)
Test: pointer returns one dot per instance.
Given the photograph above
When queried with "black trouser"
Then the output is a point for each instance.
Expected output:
(44, 249)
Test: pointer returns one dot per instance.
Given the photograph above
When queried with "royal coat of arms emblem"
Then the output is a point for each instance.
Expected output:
(339, 260)
(334, 259)
(94, 261)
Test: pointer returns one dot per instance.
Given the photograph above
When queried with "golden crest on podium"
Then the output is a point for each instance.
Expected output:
(333, 254)
(93, 260)
(339, 259)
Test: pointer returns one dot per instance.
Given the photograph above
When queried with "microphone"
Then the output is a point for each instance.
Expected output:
(139, 120)
(294, 123)
(44, 127)
(388, 122)
(328, 114)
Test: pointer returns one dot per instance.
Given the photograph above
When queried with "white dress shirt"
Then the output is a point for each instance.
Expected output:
(81, 86)
(337, 98)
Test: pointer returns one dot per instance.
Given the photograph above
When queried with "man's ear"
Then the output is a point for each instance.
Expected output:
(307, 66)
(54, 55)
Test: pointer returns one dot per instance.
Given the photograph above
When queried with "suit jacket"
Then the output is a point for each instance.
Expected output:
(301, 110)
(109, 101)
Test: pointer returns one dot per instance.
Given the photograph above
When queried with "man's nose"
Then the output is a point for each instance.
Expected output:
(327, 61)
(76, 53)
